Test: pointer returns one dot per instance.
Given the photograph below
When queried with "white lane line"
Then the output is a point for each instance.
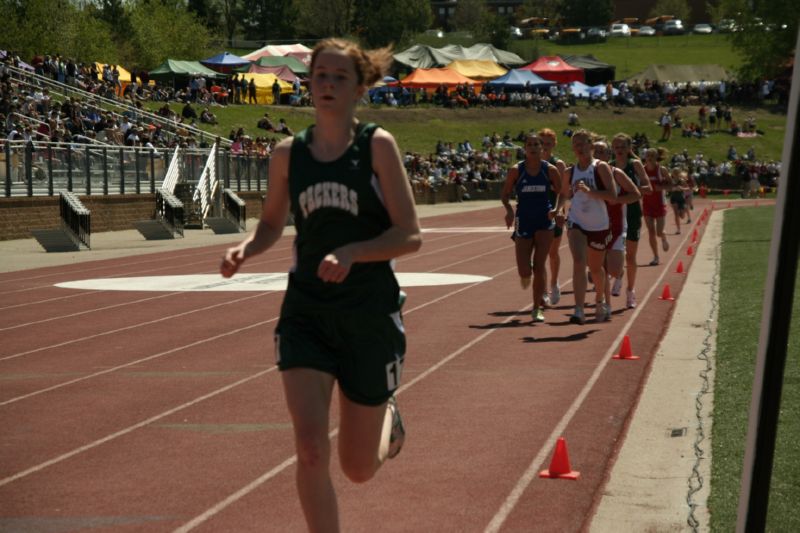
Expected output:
(86, 312)
(107, 438)
(96, 443)
(206, 252)
(49, 300)
(531, 472)
(244, 491)
(131, 363)
(126, 328)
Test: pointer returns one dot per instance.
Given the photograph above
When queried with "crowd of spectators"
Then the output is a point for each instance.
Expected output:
(558, 97)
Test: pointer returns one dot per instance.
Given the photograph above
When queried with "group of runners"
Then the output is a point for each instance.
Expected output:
(600, 201)
(341, 323)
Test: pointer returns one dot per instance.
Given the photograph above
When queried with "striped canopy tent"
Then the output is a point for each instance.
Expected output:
(282, 72)
(294, 64)
(298, 51)
(431, 78)
(477, 69)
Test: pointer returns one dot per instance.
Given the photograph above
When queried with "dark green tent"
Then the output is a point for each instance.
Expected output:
(594, 70)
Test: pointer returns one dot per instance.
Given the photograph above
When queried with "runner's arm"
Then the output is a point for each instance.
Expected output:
(273, 214)
(404, 235)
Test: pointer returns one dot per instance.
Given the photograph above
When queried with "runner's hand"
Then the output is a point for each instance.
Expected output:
(232, 260)
(335, 266)
(509, 217)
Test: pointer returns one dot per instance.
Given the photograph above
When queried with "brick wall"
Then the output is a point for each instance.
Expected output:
(18, 216)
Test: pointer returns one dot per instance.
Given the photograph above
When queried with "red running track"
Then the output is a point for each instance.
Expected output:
(163, 411)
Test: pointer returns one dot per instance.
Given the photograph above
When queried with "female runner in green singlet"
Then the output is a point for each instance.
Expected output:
(340, 320)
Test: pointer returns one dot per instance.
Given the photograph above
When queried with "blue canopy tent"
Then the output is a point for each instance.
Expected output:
(580, 89)
(520, 79)
(377, 94)
(600, 90)
(224, 62)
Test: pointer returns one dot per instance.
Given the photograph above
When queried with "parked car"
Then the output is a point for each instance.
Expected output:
(646, 31)
(702, 29)
(596, 33)
(674, 27)
(620, 30)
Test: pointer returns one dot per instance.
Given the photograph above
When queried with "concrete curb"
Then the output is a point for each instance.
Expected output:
(649, 485)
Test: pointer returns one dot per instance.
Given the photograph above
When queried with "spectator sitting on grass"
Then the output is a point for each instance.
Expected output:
(188, 111)
(265, 123)
(283, 127)
(207, 117)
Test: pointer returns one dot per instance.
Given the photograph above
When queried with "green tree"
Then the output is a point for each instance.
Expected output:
(208, 12)
(768, 34)
(161, 29)
(381, 22)
(268, 19)
(587, 12)
(53, 26)
(325, 18)
(549, 9)
(499, 31)
(677, 8)
(472, 16)
(230, 22)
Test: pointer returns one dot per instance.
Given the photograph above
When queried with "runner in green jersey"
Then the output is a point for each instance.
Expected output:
(340, 321)
(624, 158)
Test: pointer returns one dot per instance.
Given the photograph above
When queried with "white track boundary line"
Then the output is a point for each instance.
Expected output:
(531, 472)
(244, 491)
(107, 438)
(131, 363)
(86, 312)
(132, 326)
(94, 444)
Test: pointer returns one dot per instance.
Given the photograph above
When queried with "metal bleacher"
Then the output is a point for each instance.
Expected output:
(75, 231)
(119, 108)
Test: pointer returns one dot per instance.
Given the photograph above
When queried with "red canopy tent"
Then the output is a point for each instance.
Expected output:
(555, 69)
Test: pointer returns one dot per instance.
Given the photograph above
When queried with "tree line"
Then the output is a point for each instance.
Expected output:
(143, 33)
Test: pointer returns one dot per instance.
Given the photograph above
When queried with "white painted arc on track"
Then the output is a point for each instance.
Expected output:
(268, 281)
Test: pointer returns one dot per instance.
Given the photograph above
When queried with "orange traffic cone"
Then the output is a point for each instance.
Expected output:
(625, 350)
(679, 270)
(694, 236)
(690, 250)
(559, 465)
(666, 294)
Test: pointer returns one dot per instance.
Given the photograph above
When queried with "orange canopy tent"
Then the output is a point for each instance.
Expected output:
(431, 78)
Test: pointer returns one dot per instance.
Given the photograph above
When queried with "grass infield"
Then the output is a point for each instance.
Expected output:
(417, 129)
(746, 244)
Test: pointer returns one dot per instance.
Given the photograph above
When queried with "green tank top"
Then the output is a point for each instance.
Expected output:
(634, 210)
(333, 204)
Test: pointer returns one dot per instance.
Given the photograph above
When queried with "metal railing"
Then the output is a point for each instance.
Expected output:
(170, 211)
(75, 218)
(40, 169)
(208, 184)
(235, 208)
